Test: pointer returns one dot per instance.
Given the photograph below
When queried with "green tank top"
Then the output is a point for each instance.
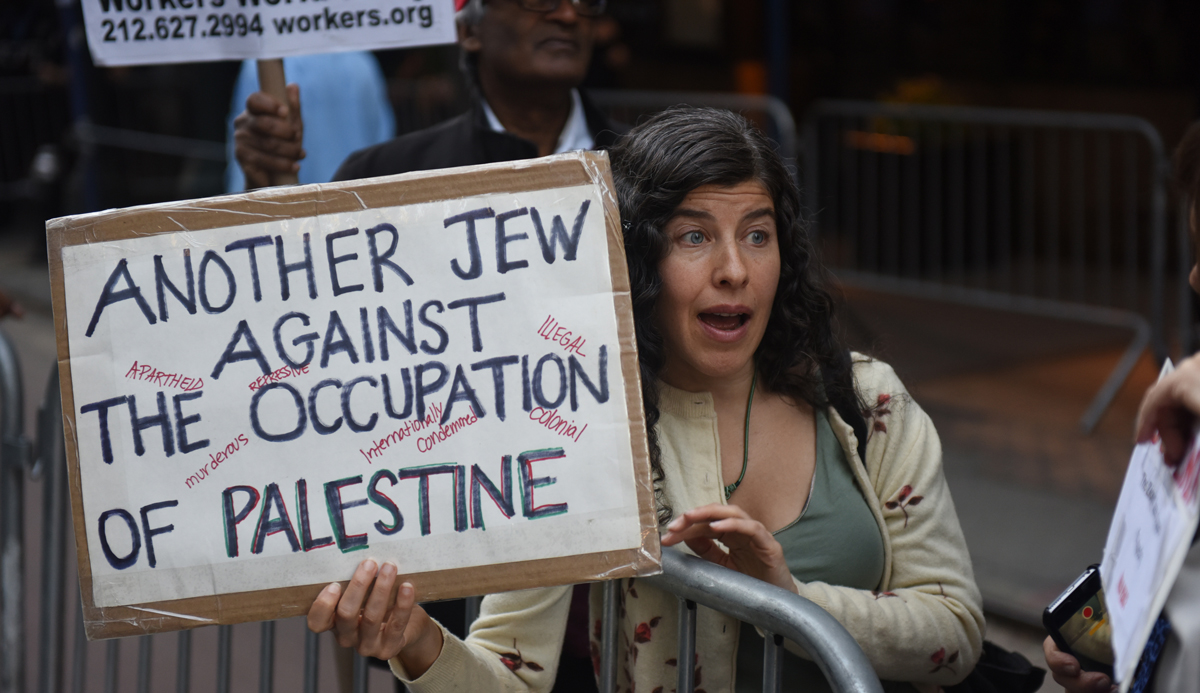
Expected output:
(835, 540)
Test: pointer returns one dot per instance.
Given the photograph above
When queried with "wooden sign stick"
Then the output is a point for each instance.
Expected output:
(272, 80)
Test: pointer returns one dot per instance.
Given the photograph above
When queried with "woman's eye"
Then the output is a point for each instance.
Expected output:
(758, 237)
(693, 237)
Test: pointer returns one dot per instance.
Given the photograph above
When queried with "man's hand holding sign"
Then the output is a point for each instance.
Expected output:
(366, 378)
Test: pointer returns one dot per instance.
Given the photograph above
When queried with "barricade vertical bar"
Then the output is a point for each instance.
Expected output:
(979, 207)
(808, 186)
(266, 671)
(891, 213)
(1187, 257)
(183, 661)
(472, 611)
(52, 461)
(1052, 213)
(1004, 208)
(610, 604)
(934, 229)
(79, 656)
(312, 650)
(224, 654)
(868, 251)
(851, 195)
(1028, 213)
(912, 206)
(112, 653)
(1078, 217)
(1131, 225)
(1103, 218)
(687, 645)
(958, 212)
(12, 493)
(360, 673)
(145, 645)
(830, 217)
(1158, 253)
(772, 662)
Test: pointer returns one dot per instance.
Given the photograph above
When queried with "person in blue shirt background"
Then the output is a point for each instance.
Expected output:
(344, 100)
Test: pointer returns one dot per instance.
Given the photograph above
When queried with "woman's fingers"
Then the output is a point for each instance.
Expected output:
(695, 522)
(1065, 671)
(350, 606)
(1170, 407)
(376, 610)
(392, 636)
(320, 614)
(361, 615)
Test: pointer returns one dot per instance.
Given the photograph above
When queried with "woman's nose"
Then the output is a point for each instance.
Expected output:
(730, 266)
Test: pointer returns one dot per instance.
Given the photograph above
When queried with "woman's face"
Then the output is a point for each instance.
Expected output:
(719, 278)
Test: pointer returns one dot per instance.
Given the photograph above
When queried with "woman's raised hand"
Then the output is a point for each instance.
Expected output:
(360, 618)
(752, 549)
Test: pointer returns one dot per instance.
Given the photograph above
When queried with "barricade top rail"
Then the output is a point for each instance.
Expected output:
(975, 115)
(833, 649)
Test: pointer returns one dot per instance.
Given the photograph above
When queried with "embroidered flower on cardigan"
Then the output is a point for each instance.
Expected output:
(903, 501)
(515, 661)
(876, 414)
(642, 633)
(941, 661)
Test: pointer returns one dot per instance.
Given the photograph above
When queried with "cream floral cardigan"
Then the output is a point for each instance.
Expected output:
(923, 624)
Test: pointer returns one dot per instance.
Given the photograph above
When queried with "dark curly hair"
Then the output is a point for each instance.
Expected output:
(655, 166)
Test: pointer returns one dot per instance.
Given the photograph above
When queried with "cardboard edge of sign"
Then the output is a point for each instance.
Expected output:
(578, 168)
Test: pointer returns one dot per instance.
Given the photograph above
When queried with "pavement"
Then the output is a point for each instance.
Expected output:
(1033, 492)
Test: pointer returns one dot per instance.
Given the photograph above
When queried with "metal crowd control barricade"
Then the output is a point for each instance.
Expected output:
(778, 612)
(1053, 214)
(631, 106)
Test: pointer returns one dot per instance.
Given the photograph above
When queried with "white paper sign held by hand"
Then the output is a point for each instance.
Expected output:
(140, 32)
(1152, 527)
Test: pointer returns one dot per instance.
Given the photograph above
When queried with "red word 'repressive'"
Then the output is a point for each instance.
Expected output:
(277, 375)
(402, 432)
(553, 331)
(148, 373)
(557, 424)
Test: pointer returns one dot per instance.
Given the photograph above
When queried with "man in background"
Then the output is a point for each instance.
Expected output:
(525, 60)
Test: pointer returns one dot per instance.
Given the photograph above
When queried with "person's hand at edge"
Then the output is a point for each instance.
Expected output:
(360, 617)
(269, 137)
(10, 307)
(752, 551)
(1171, 407)
(1067, 673)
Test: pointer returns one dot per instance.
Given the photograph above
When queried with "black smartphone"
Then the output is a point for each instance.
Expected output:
(1078, 622)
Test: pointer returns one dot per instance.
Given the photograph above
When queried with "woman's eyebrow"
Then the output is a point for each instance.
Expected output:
(763, 212)
(692, 214)
(701, 214)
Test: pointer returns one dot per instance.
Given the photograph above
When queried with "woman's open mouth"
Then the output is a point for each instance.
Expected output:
(725, 322)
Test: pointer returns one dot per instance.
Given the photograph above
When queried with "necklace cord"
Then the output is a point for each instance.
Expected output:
(745, 440)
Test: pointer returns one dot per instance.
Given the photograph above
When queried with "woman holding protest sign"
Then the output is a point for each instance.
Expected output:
(775, 451)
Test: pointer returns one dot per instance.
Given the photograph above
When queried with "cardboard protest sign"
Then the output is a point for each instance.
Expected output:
(262, 390)
(139, 32)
